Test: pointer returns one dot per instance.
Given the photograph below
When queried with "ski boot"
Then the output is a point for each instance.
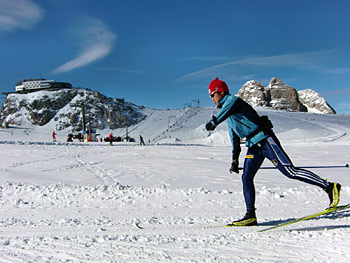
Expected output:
(333, 191)
(248, 220)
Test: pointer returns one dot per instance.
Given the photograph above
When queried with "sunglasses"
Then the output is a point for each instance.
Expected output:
(212, 95)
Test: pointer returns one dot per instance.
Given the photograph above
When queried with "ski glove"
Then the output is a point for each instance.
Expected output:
(234, 165)
(210, 126)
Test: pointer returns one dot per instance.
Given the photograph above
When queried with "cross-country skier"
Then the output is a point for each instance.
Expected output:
(244, 122)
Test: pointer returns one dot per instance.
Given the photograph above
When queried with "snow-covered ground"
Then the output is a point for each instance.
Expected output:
(80, 202)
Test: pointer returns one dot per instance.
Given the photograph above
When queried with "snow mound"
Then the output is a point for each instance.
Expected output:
(220, 138)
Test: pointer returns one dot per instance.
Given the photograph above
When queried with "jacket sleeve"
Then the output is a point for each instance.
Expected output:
(226, 110)
(236, 144)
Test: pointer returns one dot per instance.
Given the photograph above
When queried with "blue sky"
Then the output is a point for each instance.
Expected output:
(163, 54)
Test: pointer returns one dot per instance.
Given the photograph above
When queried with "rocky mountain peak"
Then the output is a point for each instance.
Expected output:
(315, 102)
(275, 82)
(279, 96)
(284, 97)
(64, 108)
(254, 93)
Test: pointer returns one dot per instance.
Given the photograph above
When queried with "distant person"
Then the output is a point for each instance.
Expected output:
(244, 122)
(110, 139)
(53, 136)
(70, 138)
(141, 141)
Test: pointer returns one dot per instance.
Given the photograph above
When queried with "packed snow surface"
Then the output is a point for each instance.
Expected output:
(87, 202)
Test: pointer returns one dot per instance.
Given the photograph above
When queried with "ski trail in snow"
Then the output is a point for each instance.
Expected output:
(80, 202)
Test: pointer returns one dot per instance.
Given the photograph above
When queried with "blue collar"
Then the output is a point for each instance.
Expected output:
(223, 100)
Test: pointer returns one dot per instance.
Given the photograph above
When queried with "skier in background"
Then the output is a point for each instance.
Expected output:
(244, 122)
(141, 141)
(110, 139)
(53, 136)
(70, 138)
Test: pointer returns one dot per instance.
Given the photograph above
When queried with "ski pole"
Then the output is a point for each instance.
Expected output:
(305, 167)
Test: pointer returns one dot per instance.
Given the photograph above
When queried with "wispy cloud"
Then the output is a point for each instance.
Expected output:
(337, 71)
(96, 41)
(122, 70)
(298, 60)
(19, 14)
(204, 58)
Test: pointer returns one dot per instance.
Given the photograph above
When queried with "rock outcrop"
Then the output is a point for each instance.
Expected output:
(279, 96)
(315, 102)
(64, 108)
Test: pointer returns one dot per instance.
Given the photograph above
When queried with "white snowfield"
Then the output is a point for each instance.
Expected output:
(83, 202)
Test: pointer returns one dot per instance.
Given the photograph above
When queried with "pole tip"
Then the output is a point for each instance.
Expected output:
(347, 165)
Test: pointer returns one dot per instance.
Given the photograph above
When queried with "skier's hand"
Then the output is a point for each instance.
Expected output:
(234, 166)
(210, 126)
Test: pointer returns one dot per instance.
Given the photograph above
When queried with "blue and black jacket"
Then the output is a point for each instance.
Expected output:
(242, 121)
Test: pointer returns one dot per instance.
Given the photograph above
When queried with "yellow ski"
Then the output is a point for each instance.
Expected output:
(324, 212)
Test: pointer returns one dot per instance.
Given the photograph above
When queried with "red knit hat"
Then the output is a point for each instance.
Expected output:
(217, 86)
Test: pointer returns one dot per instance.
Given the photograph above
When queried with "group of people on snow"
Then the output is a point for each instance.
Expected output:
(110, 138)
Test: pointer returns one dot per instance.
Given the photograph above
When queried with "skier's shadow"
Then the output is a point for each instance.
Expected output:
(320, 228)
(336, 215)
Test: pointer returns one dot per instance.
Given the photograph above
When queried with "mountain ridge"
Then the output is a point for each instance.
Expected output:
(62, 109)
(279, 96)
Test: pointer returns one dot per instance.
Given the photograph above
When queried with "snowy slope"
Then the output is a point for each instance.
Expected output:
(187, 126)
(291, 127)
(80, 202)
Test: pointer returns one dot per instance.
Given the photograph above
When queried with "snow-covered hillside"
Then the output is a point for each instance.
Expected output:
(292, 127)
(187, 126)
(80, 202)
